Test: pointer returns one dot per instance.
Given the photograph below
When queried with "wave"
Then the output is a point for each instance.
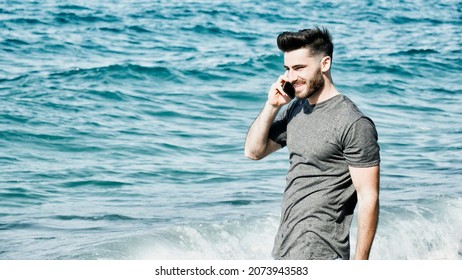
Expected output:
(26, 21)
(415, 52)
(250, 238)
(95, 183)
(117, 72)
(424, 229)
(72, 7)
(419, 232)
(107, 217)
(73, 18)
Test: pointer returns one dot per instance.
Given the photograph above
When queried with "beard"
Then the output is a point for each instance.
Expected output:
(314, 85)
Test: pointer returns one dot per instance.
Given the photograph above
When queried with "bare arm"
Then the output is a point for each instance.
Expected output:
(366, 182)
(257, 143)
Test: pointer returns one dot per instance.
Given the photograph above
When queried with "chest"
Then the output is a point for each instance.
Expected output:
(315, 137)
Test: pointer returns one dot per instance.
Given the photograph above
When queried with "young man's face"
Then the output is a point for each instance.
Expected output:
(304, 72)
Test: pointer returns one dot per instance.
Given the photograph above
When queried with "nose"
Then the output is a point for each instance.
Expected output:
(291, 76)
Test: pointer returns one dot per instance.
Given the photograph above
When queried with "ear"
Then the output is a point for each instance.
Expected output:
(325, 63)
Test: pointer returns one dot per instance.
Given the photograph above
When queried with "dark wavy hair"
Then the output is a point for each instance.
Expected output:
(317, 40)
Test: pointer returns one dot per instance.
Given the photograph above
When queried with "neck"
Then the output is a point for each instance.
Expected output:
(326, 92)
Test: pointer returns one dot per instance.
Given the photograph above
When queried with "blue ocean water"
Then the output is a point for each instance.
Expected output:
(122, 124)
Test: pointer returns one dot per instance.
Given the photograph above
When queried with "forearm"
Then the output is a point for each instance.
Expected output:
(368, 214)
(257, 140)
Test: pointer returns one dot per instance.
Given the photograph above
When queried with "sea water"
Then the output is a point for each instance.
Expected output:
(122, 124)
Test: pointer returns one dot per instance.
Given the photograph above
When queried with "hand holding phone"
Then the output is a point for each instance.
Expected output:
(289, 89)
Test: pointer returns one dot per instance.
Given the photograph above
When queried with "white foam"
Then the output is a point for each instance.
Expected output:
(414, 230)
(246, 239)
(419, 231)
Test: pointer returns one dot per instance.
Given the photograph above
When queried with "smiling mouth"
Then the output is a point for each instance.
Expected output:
(298, 85)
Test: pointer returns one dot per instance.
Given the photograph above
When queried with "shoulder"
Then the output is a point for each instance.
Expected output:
(348, 109)
(351, 117)
(343, 113)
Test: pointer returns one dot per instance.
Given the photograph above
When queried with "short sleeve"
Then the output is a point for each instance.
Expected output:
(361, 148)
(278, 129)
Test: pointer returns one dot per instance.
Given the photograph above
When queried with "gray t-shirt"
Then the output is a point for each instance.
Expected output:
(319, 200)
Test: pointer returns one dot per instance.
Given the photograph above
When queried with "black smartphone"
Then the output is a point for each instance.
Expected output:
(289, 89)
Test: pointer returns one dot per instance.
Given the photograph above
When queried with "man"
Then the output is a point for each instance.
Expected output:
(333, 152)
